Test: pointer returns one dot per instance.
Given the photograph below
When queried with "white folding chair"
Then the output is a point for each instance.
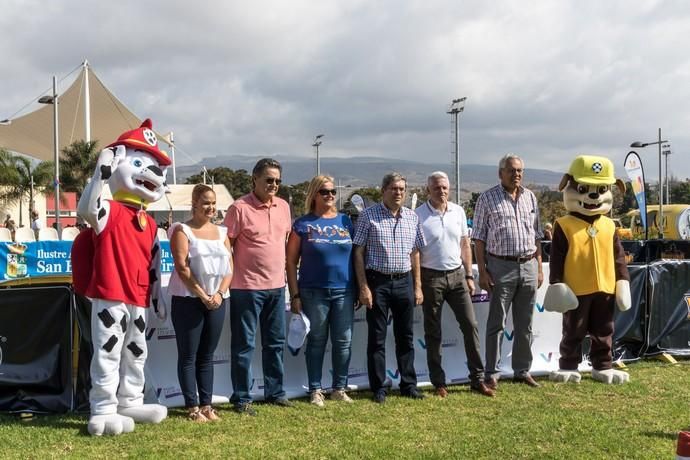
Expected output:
(5, 234)
(48, 234)
(24, 235)
(69, 233)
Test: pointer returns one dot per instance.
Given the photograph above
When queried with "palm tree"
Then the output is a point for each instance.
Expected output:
(6, 167)
(19, 178)
(78, 161)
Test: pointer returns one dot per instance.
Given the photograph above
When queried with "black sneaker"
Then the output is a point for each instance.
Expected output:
(413, 394)
(282, 402)
(379, 397)
(245, 408)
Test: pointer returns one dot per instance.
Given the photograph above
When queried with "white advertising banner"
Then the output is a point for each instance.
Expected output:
(546, 328)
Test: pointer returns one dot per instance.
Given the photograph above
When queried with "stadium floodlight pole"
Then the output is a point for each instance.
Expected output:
(56, 147)
(660, 216)
(317, 143)
(457, 106)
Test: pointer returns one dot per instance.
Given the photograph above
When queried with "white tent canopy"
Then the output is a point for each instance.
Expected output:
(32, 134)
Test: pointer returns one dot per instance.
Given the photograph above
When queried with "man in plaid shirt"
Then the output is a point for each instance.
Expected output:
(507, 237)
(386, 258)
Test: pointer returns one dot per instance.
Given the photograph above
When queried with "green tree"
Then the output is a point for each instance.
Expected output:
(373, 194)
(20, 179)
(6, 167)
(551, 205)
(296, 196)
(680, 192)
(623, 203)
(470, 205)
(238, 182)
(77, 164)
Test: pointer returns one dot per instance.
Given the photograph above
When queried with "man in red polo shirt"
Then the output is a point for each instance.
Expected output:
(258, 226)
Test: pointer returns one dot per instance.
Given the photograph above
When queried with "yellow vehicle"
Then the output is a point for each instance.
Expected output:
(676, 225)
(624, 233)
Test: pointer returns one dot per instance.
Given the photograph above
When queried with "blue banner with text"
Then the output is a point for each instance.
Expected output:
(20, 261)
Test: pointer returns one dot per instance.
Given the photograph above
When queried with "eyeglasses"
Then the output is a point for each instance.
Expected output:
(513, 170)
(327, 191)
(273, 180)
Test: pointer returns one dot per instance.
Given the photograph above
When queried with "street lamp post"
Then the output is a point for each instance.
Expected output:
(340, 188)
(660, 215)
(56, 149)
(317, 143)
(666, 151)
(457, 106)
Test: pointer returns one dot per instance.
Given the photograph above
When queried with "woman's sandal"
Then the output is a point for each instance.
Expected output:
(209, 413)
(195, 415)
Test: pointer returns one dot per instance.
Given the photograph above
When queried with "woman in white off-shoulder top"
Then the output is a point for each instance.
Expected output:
(199, 288)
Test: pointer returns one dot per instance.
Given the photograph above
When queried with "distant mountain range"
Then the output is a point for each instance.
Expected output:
(365, 171)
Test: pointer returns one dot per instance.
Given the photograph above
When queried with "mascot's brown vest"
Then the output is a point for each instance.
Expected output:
(590, 262)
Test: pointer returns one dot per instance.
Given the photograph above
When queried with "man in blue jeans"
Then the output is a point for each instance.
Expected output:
(386, 257)
(258, 226)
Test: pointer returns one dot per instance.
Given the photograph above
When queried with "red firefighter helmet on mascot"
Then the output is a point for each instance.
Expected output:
(143, 138)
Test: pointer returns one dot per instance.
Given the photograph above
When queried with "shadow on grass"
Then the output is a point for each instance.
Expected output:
(52, 421)
(662, 434)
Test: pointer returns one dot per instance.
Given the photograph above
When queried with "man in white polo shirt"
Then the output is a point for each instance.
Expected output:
(444, 225)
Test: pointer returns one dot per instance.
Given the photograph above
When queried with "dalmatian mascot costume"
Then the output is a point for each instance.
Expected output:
(117, 265)
(588, 274)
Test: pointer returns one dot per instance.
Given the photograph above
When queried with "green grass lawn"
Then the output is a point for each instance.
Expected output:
(590, 420)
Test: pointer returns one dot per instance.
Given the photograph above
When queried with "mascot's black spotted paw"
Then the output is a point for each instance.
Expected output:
(106, 172)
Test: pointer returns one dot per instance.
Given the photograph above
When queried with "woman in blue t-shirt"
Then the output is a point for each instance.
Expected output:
(321, 245)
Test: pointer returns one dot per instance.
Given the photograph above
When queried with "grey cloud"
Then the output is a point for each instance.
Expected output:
(547, 80)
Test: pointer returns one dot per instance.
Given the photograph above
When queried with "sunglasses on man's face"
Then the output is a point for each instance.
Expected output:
(327, 191)
(273, 180)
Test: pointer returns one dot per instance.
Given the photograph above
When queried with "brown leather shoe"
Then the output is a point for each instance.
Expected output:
(491, 383)
(528, 380)
(483, 389)
(441, 392)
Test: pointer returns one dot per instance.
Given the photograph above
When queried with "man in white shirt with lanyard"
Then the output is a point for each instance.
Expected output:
(444, 225)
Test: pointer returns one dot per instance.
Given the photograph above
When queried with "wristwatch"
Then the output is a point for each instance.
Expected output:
(295, 296)
(468, 277)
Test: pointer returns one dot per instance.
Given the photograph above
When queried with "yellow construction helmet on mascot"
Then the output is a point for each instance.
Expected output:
(117, 265)
(587, 271)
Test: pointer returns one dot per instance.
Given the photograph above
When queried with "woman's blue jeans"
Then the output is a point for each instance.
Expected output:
(197, 331)
(328, 310)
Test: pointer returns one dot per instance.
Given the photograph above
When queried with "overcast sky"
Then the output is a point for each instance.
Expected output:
(544, 79)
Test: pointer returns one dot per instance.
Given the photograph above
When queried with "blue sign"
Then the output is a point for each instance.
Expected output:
(20, 261)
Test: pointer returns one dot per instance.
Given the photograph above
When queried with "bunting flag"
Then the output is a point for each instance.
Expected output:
(633, 166)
